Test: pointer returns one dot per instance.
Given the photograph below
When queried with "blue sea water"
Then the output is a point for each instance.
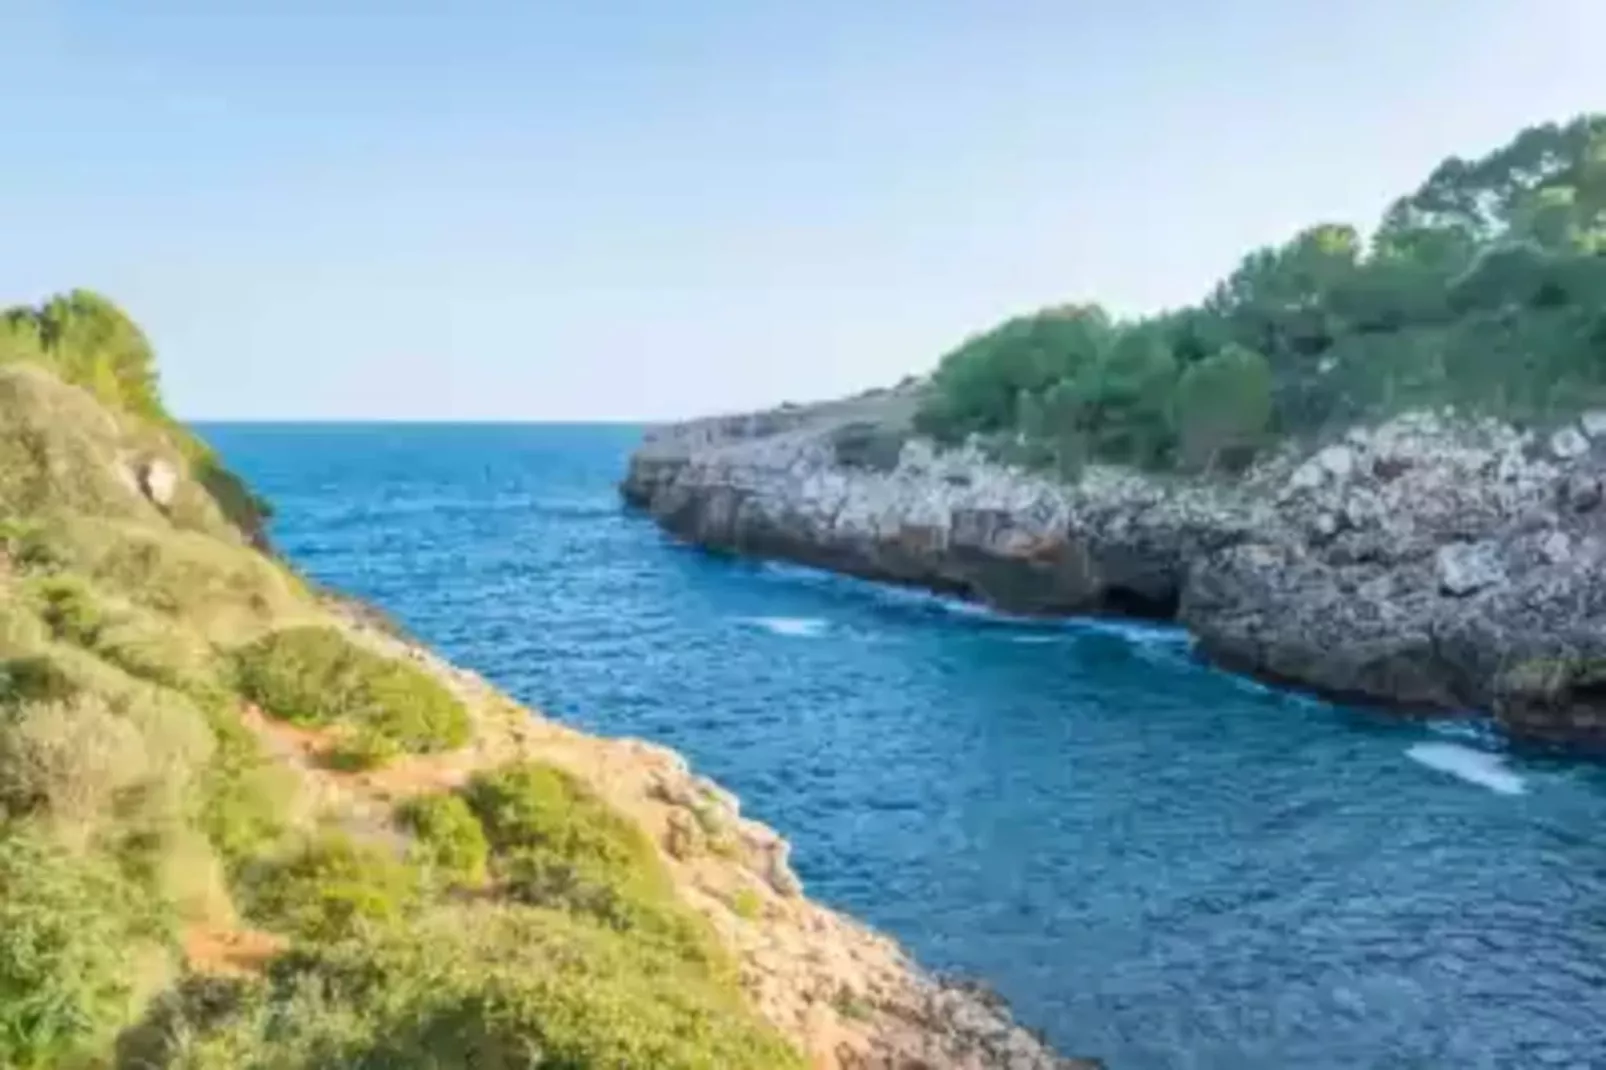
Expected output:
(1156, 863)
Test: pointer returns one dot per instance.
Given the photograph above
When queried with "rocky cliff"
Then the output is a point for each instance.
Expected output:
(1431, 562)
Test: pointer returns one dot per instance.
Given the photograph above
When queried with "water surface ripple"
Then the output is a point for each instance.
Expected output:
(1156, 863)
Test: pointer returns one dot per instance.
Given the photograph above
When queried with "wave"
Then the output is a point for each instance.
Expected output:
(1474, 766)
(790, 627)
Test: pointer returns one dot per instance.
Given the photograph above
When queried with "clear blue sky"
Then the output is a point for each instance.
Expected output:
(633, 209)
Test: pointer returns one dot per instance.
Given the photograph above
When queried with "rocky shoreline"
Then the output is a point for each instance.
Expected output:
(1433, 562)
(849, 997)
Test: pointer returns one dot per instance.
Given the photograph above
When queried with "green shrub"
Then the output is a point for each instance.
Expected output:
(70, 759)
(489, 988)
(73, 940)
(1223, 407)
(539, 808)
(70, 609)
(316, 676)
(142, 646)
(241, 795)
(555, 844)
(448, 839)
(330, 886)
(29, 544)
(34, 678)
(361, 748)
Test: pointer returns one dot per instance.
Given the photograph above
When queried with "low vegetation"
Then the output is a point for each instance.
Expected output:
(448, 840)
(147, 819)
(317, 676)
(1484, 289)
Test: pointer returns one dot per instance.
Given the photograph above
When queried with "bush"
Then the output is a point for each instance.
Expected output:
(538, 808)
(360, 748)
(1223, 407)
(448, 839)
(28, 544)
(555, 844)
(35, 678)
(241, 795)
(490, 988)
(316, 676)
(72, 941)
(69, 609)
(70, 760)
(329, 887)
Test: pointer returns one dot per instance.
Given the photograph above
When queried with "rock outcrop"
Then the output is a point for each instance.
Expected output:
(1429, 562)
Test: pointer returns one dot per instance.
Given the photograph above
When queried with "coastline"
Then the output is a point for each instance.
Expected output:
(1427, 564)
(849, 996)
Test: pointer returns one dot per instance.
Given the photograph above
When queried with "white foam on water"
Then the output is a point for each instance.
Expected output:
(1474, 766)
(791, 627)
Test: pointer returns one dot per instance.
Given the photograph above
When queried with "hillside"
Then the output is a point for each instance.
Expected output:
(248, 824)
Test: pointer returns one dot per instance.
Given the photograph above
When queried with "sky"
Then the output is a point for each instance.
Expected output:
(623, 209)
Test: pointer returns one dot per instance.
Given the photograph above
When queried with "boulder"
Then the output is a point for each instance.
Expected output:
(158, 481)
(1337, 461)
(1568, 443)
(1594, 423)
(1466, 568)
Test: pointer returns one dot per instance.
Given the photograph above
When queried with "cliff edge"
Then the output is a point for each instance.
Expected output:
(244, 823)
(1427, 561)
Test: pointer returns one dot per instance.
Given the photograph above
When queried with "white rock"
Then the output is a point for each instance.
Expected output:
(1568, 443)
(1464, 568)
(1337, 461)
(159, 481)
(1308, 476)
(1556, 547)
(1593, 423)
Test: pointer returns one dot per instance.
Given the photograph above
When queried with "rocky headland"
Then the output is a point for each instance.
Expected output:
(1430, 562)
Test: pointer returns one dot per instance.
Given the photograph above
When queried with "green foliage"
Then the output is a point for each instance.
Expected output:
(241, 795)
(544, 812)
(317, 676)
(494, 988)
(1223, 406)
(360, 748)
(88, 341)
(135, 802)
(1485, 288)
(746, 904)
(34, 678)
(70, 610)
(71, 943)
(331, 886)
(555, 844)
(447, 837)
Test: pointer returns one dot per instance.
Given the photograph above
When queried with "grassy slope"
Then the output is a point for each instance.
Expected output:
(240, 827)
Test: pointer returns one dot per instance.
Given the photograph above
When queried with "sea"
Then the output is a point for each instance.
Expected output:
(1158, 864)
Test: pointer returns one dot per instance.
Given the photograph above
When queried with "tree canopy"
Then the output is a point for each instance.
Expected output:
(1484, 288)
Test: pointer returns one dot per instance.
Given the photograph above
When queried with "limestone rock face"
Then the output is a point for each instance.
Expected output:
(158, 481)
(1428, 561)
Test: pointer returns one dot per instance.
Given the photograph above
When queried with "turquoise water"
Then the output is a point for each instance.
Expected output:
(1156, 863)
